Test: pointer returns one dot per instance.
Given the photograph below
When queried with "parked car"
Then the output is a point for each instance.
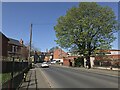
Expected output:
(44, 65)
(53, 62)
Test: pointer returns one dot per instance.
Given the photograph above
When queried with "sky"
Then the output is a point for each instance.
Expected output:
(17, 17)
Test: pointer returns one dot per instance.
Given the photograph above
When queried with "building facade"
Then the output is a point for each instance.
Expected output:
(14, 48)
(110, 54)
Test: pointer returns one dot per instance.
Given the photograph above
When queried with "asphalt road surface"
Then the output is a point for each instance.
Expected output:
(62, 77)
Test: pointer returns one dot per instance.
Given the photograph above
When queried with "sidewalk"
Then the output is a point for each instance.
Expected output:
(34, 80)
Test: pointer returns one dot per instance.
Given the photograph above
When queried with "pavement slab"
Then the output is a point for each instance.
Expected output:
(34, 80)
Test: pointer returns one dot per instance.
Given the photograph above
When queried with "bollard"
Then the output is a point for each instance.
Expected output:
(24, 77)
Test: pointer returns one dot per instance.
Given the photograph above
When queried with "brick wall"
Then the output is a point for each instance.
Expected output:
(66, 62)
(107, 56)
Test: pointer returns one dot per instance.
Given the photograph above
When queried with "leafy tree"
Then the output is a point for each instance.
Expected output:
(87, 27)
(79, 62)
(74, 50)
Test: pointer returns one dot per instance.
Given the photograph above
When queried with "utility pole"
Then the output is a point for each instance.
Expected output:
(30, 42)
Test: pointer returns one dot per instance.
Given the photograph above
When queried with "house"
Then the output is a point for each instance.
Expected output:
(24, 51)
(59, 54)
(3, 46)
(17, 49)
(46, 56)
(110, 54)
(14, 48)
(107, 58)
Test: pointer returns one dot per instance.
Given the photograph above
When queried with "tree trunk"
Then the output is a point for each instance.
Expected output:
(89, 54)
(88, 62)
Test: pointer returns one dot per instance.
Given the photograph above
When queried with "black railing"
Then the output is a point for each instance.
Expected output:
(17, 70)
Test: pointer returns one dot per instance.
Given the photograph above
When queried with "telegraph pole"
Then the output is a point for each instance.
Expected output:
(30, 42)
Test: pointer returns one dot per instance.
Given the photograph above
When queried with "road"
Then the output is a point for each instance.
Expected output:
(62, 77)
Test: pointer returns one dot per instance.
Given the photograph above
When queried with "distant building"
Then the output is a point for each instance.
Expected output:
(59, 54)
(110, 54)
(46, 56)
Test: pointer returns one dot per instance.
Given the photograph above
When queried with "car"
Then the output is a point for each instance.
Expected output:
(53, 62)
(44, 65)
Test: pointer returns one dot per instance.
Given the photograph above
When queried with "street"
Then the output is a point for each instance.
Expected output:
(62, 77)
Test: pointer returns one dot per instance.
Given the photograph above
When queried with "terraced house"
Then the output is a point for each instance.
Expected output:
(10, 48)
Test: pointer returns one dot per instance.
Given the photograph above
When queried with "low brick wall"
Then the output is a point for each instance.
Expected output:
(66, 62)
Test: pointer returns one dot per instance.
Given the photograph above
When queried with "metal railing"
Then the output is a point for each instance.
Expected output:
(17, 70)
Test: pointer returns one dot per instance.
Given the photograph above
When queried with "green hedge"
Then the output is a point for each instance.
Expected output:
(79, 62)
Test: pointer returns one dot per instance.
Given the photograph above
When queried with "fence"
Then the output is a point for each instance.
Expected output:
(17, 70)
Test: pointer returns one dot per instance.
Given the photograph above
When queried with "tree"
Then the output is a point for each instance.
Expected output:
(87, 27)
(74, 50)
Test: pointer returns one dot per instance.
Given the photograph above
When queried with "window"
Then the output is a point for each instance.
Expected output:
(16, 48)
(13, 48)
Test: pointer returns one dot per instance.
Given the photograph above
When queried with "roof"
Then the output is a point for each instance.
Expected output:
(15, 42)
(1, 34)
(114, 50)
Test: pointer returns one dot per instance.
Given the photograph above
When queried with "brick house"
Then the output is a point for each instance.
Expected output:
(10, 47)
(111, 58)
(24, 50)
(111, 54)
(17, 49)
(3, 46)
(59, 54)
(14, 48)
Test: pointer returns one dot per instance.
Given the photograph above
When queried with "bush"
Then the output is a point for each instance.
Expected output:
(79, 62)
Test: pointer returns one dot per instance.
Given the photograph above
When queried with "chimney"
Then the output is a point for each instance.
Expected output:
(21, 41)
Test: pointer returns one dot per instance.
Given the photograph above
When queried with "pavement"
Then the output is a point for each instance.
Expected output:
(38, 78)
(34, 80)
